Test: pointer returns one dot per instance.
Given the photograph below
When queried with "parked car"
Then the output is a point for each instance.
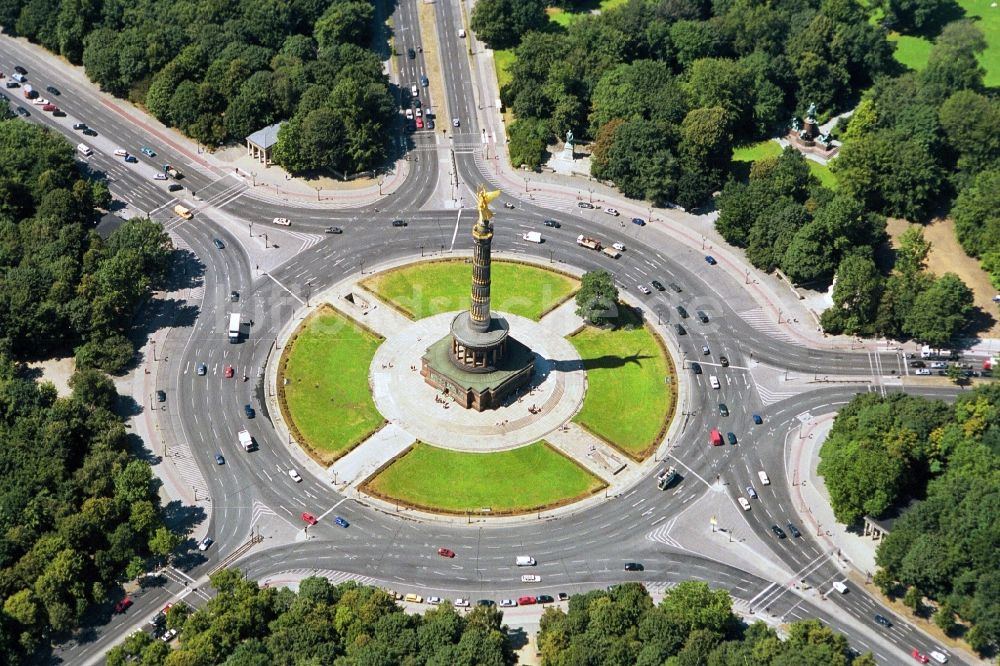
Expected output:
(168, 635)
(435, 600)
(919, 656)
(424, 81)
(526, 600)
(612, 211)
(159, 176)
(675, 287)
(544, 599)
(23, 112)
(161, 396)
(883, 620)
(732, 438)
(282, 221)
(79, 126)
(507, 603)
(682, 312)
(486, 602)
(309, 518)
(680, 329)
(584, 204)
(644, 289)
(202, 369)
(234, 296)
(702, 317)
(531, 578)
(131, 159)
(461, 603)
(696, 367)
(177, 187)
(455, 122)
(398, 223)
(219, 244)
(90, 131)
(657, 285)
(228, 372)
(724, 361)
(723, 409)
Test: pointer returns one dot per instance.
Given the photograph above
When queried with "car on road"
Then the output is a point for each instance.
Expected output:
(334, 230)
(612, 211)
(778, 532)
(744, 502)
(732, 438)
(923, 371)
(710, 260)
(762, 475)
(724, 361)
(696, 367)
(486, 602)
(23, 112)
(705, 351)
(752, 492)
(544, 599)
(939, 657)
(507, 603)
(12, 84)
(883, 620)
(938, 365)
(411, 53)
(228, 372)
(202, 369)
(435, 600)
(219, 244)
(159, 176)
(341, 522)
(723, 409)
(657, 285)
(531, 578)
(424, 81)
(161, 396)
(619, 246)
(131, 159)
(639, 221)
(682, 312)
(158, 619)
(90, 131)
(249, 411)
(526, 600)
(205, 544)
(282, 221)
(429, 123)
(147, 151)
(702, 317)
(79, 126)
(123, 605)
(420, 123)
(398, 223)
(461, 603)
(794, 531)
(675, 287)
(177, 187)
(52, 90)
(455, 122)
(446, 552)
(918, 364)
(309, 518)
(757, 419)
(234, 296)
(408, 113)
(552, 223)
(919, 656)
(633, 566)
(584, 204)
(20, 70)
(295, 476)
(48, 107)
(219, 459)
(644, 289)
(680, 329)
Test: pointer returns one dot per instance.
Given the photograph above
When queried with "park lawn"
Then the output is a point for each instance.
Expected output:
(503, 60)
(327, 397)
(911, 51)
(564, 18)
(768, 148)
(628, 400)
(528, 478)
(425, 289)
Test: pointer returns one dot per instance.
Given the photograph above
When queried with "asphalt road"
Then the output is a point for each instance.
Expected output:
(577, 552)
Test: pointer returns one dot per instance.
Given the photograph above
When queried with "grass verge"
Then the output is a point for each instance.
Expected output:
(323, 385)
(429, 288)
(630, 398)
(526, 479)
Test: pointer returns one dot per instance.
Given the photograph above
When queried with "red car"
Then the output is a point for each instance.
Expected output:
(167, 607)
(444, 552)
(420, 123)
(525, 601)
(309, 518)
(49, 107)
(229, 372)
(123, 605)
(919, 656)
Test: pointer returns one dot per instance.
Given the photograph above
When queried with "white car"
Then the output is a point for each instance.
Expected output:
(455, 122)
(507, 603)
(159, 176)
(205, 543)
(434, 600)
(169, 635)
(940, 365)
(923, 371)
(418, 113)
(619, 246)
(295, 476)
(644, 289)
(40, 101)
(939, 657)
(531, 578)
(409, 114)
(745, 503)
(762, 475)
(612, 211)
(283, 221)
(461, 603)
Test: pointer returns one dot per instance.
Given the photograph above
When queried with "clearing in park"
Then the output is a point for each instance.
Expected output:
(425, 289)
(529, 478)
(629, 401)
(326, 399)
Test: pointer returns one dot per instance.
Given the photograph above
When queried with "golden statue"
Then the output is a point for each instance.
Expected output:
(483, 199)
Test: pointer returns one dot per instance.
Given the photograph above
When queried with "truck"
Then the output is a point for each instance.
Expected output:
(591, 243)
(234, 327)
(715, 437)
(246, 441)
(181, 211)
(666, 477)
(611, 252)
(29, 92)
(172, 172)
(927, 352)
(532, 237)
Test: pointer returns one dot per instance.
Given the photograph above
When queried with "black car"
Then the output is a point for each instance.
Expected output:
(428, 123)
(682, 312)
(917, 364)
(161, 396)
(234, 296)
(657, 285)
(584, 204)
(53, 90)
(21, 111)
(883, 620)
(90, 132)
(723, 410)
(794, 531)
(248, 410)
(563, 596)
(778, 532)
(674, 287)
(411, 53)
(20, 70)
(334, 230)
(174, 187)
(13, 84)
(724, 361)
(544, 599)
(701, 316)
(486, 602)
(696, 368)
(552, 223)
(79, 126)
(680, 329)
(398, 223)
(219, 244)
(633, 566)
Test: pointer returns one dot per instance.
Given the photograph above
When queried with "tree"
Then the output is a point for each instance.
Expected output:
(501, 23)
(597, 298)
(913, 599)
(640, 162)
(977, 214)
(857, 290)
(965, 117)
(944, 618)
(344, 22)
(528, 140)
(939, 313)
(913, 16)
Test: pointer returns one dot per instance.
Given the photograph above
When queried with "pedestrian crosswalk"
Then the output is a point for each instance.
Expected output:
(179, 455)
(764, 322)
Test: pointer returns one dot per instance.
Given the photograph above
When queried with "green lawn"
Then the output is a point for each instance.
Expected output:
(525, 479)
(426, 289)
(327, 398)
(628, 399)
(503, 60)
(911, 51)
(764, 149)
(565, 18)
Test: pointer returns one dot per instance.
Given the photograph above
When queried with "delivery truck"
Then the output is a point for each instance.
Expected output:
(246, 441)
(591, 243)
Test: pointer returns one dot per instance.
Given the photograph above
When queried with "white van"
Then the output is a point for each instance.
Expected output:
(762, 475)
(461, 32)
(532, 237)
(120, 152)
(714, 381)
(525, 561)
(84, 150)
(840, 587)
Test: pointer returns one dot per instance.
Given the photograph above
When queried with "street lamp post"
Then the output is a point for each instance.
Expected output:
(779, 316)
(590, 191)
(153, 342)
(251, 230)
(525, 184)
(265, 241)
